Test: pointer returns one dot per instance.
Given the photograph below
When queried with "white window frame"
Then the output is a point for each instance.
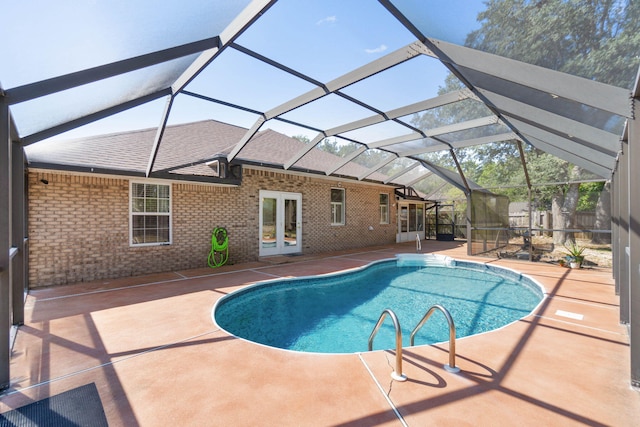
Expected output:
(342, 205)
(384, 209)
(132, 213)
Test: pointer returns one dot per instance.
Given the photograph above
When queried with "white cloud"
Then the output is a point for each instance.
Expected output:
(379, 49)
(328, 20)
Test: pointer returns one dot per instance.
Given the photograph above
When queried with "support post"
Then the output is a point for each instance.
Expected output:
(523, 162)
(5, 239)
(18, 234)
(632, 303)
(622, 279)
(615, 223)
(469, 224)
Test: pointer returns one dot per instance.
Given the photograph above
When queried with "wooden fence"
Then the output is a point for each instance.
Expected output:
(544, 219)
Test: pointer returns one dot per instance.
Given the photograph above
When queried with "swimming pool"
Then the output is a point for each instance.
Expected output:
(336, 313)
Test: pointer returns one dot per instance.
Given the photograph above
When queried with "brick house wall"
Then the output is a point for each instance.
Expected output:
(79, 224)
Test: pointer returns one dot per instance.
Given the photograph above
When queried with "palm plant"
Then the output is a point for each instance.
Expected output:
(574, 253)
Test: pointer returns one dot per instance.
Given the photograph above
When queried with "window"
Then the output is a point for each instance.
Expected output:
(384, 208)
(337, 206)
(150, 214)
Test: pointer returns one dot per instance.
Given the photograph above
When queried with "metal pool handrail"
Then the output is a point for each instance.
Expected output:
(451, 367)
(397, 374)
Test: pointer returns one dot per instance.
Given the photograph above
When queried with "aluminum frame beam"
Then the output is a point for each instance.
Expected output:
(315, 141)
(634, 239)
(431, 103)
(573, 158)
(377, 167)
(249, 15)
(596, 138)
(469, 124)
(246, 138)
(434, 192)
(460, 171)
(358, 124)
(435, 102)
(589, 155)
(615, 227)
(396, 140)
(19, 274)
(420, 178)
(443, 145)
(403, 172)
(394, 58)
(346, 160)
(501, 137)
(68, 81)
(445, 174)
(624, 273)
(158, 138)
(243, 21)
(90, 118)
(588, 92)
(429, 149)
(523, 162)
(5, 244)
(425, 105)
(460, 144)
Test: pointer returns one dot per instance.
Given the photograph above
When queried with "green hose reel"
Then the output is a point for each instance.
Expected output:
(219, 253)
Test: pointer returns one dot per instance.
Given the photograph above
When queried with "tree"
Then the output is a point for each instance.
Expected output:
(302, 138)
(595, 39)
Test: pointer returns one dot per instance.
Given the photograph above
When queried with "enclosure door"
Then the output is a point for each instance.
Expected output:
(410, 222)
(280, 223)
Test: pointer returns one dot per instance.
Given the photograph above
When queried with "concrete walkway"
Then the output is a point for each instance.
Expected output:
(150, 346)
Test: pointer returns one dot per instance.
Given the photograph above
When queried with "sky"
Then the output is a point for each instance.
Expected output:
(323, 39)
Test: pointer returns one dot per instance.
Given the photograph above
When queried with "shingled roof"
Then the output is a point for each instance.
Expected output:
(183, 154)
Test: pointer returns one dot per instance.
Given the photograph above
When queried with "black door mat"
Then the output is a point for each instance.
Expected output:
(77, 407)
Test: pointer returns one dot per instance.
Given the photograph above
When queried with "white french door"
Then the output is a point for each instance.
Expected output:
(410, 221)
(280, 223)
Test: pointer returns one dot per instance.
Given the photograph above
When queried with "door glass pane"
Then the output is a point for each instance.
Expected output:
(403, 219)
(268, 222)
(420, 217)
(412, 217)
(290, 222)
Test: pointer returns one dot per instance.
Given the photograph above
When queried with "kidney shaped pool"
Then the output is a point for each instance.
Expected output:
(336, 313)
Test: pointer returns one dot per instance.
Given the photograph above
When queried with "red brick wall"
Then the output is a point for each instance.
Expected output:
(79, 225)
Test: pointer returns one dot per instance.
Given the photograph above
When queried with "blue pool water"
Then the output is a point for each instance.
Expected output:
(336, 313)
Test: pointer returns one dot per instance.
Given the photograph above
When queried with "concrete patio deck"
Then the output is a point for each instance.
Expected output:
(150, 346)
